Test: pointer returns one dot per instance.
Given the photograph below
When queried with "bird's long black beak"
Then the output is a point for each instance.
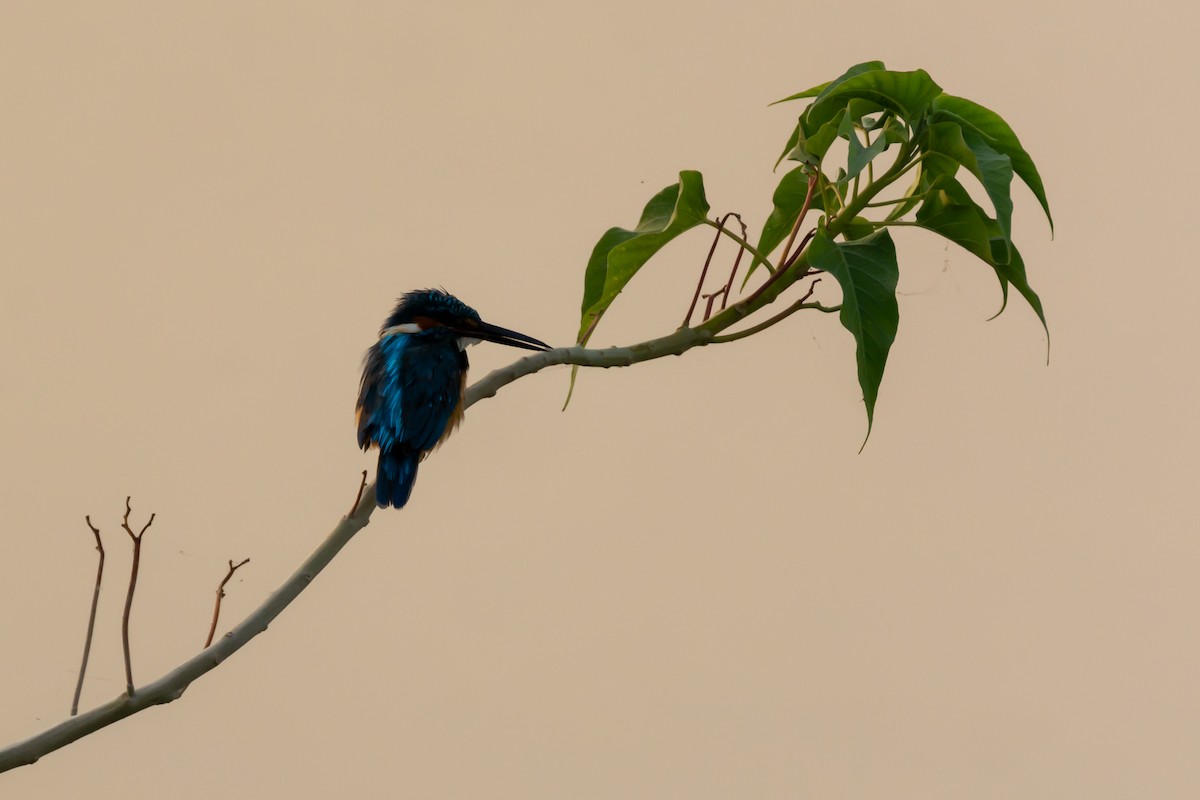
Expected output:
(494, 333)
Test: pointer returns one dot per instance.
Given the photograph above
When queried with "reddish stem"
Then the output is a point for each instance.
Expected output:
(212, 630)
(704, 272)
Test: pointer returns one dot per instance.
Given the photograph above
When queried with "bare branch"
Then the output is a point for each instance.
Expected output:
(232, 569)
(784, 261)
(172, 685)
(733, 272)
(703, 271)
(133, 574)
(91, 626)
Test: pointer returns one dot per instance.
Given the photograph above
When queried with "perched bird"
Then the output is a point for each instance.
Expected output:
(413, 383)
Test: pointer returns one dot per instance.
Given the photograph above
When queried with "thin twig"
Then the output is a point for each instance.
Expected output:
(358, 498)
(133, 573)
(807, 238)
(782, 315)
(687, 319)
(733, 273)
(787, 248)
(91, 626)
(785, 260)
(232, 569)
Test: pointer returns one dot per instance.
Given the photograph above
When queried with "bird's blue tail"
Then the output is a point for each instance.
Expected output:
(395, 477)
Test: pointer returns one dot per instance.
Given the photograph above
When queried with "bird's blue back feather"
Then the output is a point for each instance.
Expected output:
(410, 390)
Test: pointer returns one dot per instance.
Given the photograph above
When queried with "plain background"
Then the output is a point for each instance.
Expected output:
(688, 585)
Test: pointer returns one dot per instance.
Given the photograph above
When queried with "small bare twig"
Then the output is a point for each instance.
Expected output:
(788, 258)
(357, 499)
(687, 319)
(221, 587)
(807, 238)
(733, 273)
(725, 290)
(782, 315)
(787, 248)
(91, 626)
(133, 573)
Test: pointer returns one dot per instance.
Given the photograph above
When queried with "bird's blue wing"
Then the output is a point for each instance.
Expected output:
(431, 390)
(410, 391)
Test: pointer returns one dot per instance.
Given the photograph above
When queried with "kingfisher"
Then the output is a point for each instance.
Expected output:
(414, 383)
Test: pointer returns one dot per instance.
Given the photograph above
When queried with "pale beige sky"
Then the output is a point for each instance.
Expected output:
(688, 585)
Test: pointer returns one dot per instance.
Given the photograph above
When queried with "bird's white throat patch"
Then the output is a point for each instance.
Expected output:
(411, 327)
(407, 327)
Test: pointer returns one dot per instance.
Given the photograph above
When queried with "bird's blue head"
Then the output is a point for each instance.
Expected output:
(441, 313)
(432, 307)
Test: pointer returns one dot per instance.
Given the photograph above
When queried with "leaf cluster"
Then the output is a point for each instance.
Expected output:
(896, 126)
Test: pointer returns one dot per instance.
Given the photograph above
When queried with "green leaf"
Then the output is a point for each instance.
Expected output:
(995, 171)
(792, 141)
(895, 131)
(992, 168)
(860, 155)
(949, 211)
(858, 110)
(794, 146)
(620, 253)
(859, 228)
(1014, 273)
(908, 94)
(811, 147)
(815, 91)
(867, 271)
(999, 135)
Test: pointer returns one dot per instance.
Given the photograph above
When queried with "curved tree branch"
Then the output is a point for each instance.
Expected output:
(172, 685)
(793, 266)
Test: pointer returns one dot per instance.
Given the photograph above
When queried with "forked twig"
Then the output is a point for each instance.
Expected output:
(133, 573)
(736, 262)
(91, 626)
(687, 320)
(221, 593)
